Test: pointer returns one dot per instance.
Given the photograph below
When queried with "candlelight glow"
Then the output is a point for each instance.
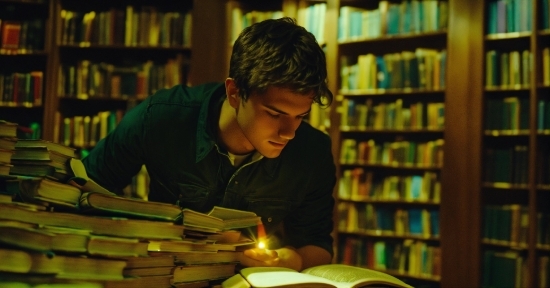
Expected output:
(261, 245)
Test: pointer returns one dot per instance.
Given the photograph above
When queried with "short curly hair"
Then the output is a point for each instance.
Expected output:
(278, 52)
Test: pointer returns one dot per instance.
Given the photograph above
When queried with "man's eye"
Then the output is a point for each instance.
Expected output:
(273, 115)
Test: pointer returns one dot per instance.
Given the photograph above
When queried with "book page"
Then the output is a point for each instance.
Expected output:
(282, 277)
(354, 275)
(81, 179)
(228, 213)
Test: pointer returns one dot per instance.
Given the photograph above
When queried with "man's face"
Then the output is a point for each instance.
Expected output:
(270, 120)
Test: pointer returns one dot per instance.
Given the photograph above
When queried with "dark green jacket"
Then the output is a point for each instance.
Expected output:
(173, 133)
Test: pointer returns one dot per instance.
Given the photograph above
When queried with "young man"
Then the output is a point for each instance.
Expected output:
(241, 145)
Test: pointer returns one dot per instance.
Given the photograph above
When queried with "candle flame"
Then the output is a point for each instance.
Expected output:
(261, 245)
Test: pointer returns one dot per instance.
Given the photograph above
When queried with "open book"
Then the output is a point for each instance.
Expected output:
(330, 276)
(220, 218)
(81, 179)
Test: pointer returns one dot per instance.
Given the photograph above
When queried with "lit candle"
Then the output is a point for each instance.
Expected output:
(261, 236)
(261, 244)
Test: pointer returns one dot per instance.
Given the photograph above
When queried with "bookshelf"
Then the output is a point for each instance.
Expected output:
(110, 56)
(514, 174)
(25, 48)
(388, 133)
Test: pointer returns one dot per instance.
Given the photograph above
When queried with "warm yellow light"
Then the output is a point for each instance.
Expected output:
(261, 245)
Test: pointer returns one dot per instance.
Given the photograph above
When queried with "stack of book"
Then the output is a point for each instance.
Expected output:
(211, 247)
(71, 231)
(8, 134)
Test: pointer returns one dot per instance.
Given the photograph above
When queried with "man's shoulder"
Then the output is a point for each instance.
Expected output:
(187, 95)
(308, 133)
(309, 142)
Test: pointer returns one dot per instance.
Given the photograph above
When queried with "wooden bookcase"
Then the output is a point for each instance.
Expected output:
(476, 185)
(381, 111)
(514, 186)
(25, 55)
(108, 57)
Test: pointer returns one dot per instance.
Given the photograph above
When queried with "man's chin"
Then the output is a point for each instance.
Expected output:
(270, 154)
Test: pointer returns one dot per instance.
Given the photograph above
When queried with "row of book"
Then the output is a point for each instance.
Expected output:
(508, 69)
(241, 18)
(389, 18)
(132, 26)
(87, 79)
(358, 184)
(21, 36)
(423, 68)
(506, 269)
(506, 225)
(364, 115)
(312, 17)
(22, 89)
(543, 230)
(508, 113)
(396, 153)
(408, 257)
(505, 16)
(543, 176)
(543, 115)
(509, 165)
(545, 19)
(390, 221)
(85, 131)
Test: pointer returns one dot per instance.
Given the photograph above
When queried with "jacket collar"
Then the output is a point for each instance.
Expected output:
(208, 118)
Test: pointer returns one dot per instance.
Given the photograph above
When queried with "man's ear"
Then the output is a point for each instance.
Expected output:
(232, 92)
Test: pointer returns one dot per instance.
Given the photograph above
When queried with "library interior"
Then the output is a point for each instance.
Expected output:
(434, 103)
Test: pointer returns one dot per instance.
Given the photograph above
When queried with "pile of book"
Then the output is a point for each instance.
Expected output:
(60, 228)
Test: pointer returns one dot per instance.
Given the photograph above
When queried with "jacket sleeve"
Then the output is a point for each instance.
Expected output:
(312, 222)
(119, 156)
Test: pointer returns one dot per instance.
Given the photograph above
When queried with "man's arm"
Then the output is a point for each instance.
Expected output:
(289, 257)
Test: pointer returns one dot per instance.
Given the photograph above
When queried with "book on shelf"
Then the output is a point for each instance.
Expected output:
(10, 32)
(104, 204)
(330, 275)
(6, 156)
(220, 218)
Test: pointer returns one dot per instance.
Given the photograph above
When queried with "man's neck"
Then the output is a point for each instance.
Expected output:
(229, 132)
